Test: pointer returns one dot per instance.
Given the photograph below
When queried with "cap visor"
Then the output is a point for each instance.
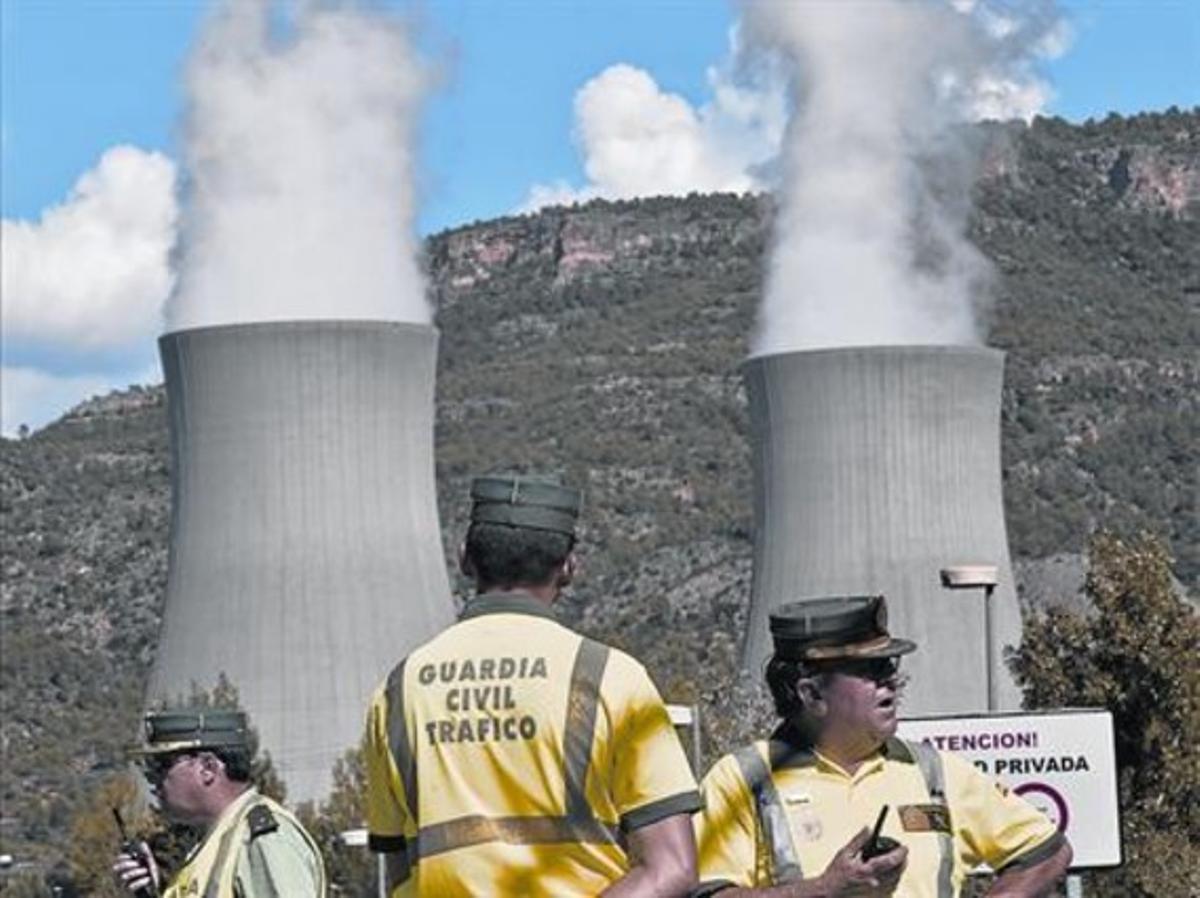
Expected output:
(160, 748)
(893, 648)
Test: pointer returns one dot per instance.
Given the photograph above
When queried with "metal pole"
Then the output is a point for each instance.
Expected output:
(1074, 885)
(988, 629)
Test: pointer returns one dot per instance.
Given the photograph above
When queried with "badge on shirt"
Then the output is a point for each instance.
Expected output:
(925, 818)
(806, 825)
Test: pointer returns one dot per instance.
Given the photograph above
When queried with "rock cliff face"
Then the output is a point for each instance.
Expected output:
(600, 239)
(604, 343)
(1149, 179)
(1154, 171)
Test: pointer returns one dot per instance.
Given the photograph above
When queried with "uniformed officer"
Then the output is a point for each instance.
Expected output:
(197, 762)
(789, 815)
(512, 756)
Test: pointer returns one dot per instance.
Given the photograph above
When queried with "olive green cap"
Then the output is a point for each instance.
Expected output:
(821, 629)
(535, 503)
(194, 728)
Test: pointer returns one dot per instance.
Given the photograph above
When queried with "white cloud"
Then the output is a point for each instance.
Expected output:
(35, 398)
(560, 193)
(93, 272)
(1004, 99)
(638, 140)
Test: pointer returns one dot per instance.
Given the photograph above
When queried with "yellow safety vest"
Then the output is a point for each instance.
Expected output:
(776, 813)
(510, 755)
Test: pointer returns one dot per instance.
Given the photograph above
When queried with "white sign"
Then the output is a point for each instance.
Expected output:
(1062, 762)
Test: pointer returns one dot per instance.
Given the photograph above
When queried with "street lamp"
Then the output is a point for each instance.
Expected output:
(978, 576)
(357, 838)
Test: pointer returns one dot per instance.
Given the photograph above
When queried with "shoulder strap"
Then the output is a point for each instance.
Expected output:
(930, 764)
(785, 864)
(261, 821)
(583, 704)
(397, 727)
(929, 761)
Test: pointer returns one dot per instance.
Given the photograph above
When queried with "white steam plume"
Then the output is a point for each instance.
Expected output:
(869, 244)
(299, 144)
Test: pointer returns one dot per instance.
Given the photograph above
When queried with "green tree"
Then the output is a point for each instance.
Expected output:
(25, 885)
(351, 868)
(1134, 653)
(95, 838)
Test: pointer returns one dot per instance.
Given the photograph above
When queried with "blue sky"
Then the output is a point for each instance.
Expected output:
(80, 77)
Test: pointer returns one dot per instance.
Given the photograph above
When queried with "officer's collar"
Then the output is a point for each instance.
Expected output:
(232, 809)
(789, 748)
(897, 750)
(506, 603)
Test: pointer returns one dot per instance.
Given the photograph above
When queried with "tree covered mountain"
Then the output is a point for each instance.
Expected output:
(604, 342)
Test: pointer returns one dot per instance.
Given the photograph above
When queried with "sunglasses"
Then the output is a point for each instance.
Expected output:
(156, 767)
(878, 670)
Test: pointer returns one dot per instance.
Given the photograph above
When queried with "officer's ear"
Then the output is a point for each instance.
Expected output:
(210, 766)
(810, 693)
(567, 570)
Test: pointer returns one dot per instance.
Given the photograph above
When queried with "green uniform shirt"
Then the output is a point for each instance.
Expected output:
(507, 755)
(951, 817)
(240, 858)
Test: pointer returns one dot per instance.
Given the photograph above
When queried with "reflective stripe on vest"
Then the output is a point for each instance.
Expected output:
(223, 871)
(578, 825)
(462, 832)
(400, 863)
(930, 763)
(397, 728)
(785, 864)
(583, 702)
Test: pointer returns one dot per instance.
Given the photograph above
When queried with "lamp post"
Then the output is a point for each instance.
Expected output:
(978, 576)
(357, 838)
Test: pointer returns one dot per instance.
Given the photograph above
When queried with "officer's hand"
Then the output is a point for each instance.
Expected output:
(849, 875)
(887, 870)
(137, 872)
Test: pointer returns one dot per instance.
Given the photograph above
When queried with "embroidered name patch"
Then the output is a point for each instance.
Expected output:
(802, 817)
(925, 818)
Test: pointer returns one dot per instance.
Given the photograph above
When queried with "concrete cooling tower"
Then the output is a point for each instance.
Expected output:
(877, 470)
(305, 551)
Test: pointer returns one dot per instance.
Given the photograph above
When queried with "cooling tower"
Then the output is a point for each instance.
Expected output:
(875, 469)
(305, 553)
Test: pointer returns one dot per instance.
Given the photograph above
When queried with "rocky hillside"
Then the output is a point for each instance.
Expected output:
(604, 342)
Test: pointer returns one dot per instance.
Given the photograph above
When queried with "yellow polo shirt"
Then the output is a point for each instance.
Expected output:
(980, 820)
(508, 755)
